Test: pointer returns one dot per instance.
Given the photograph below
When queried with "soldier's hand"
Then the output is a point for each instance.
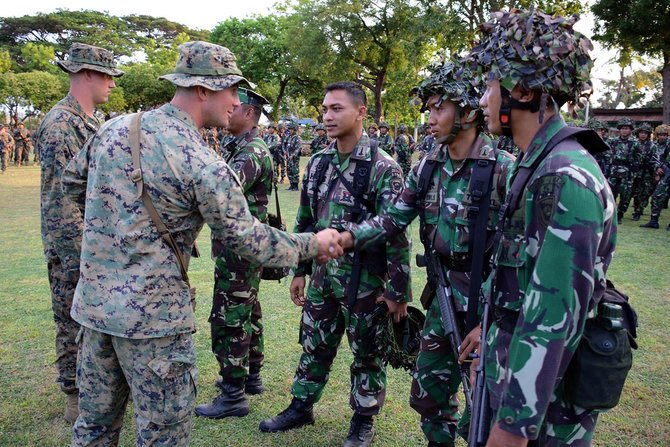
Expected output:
(346, 240)
(329, 245)
(501, 438)
(469, 344)
(297, 289)
(396, 310)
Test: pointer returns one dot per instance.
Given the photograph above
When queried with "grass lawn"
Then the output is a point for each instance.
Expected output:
(31, 404)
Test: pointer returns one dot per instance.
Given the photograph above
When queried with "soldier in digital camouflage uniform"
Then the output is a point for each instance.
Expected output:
(625, 155)
(403, 147)
(6, 143)
(327, 315)
(644, 179)
(455, 119)
(132, 300)
(427, 141)
(385, 139)
(292, 145)
(236, 316)
(273, 142)
(62, 133)
(662, 191)
(556, 247)
(22, 145)
(321, 141)
(604, 159)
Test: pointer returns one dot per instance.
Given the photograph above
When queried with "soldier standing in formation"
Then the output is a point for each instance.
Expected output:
(273, 142)
(136, 305)
(644, 178)
(6, 145)
(659, 198)
(625, 153)
(557, 245)
(336, 304)
(292, 146)
(444, 207)
(321, 141)
(604, 159)
(403, 148)
(236, 316)
(385, 139)
(427, 141)
(62, 133)
(22, 145)
(372, 132)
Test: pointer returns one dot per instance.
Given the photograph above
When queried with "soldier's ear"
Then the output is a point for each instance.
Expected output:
(523, 94)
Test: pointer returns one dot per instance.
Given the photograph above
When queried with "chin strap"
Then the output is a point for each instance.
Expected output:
(508, 103)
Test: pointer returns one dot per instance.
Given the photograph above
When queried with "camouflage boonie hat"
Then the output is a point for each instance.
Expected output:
(453, 81)
(625, 122)
(644, 127)
(662, 129)
(207, 65)
(82, 56)
(536, 51)
(320, 127)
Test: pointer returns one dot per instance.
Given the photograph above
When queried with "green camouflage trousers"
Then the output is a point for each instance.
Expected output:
(405, 161)
(659, 198)
(643, 188)
(3, 159)
(279, 163)
(236, 318)
(63, 277)
(622, 187)
(325, 319)
(435, 383)
(293, 167)
(159, 374)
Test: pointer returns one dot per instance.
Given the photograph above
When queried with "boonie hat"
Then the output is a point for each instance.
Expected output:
(82, 56)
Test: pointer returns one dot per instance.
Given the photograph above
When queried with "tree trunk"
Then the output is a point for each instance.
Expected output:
(280, 98)
(377, 92)
(665, 73)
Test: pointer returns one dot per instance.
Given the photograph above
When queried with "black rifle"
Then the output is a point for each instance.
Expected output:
(438, 278)
(478, 431)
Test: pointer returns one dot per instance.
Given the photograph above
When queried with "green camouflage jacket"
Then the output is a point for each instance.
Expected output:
(444, 210)
(386, 143)
(292, 146)
(625, 158)
(649, 158)
(334, 209)
(130, 284)
(551, 267)
(273, 142)
(59, 138)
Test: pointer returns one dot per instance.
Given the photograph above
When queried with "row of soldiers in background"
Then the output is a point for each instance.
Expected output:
(16, 146)
(637, 168)
(404, 145)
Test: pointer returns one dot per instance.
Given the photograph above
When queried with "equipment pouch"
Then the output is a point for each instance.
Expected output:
(427, 296)
(595, 377)
(275, 273)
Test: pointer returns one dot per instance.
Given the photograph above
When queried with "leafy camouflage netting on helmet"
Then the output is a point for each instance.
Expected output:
(644, 127)
(399, 343)
(536, 51)
(453, 82)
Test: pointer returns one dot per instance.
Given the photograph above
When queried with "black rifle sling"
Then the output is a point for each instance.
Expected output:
(426, 169)
(137, 178)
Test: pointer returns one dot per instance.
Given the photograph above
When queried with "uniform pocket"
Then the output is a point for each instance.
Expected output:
(171, 389)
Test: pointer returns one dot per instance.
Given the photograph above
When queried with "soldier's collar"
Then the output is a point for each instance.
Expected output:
(550, 128)
(481, 149)
(179, 114)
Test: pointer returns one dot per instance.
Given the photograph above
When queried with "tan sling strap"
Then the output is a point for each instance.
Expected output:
(134, 137)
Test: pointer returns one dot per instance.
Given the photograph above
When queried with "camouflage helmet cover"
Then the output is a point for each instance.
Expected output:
(383, 125)
(536, 51)
(596, 124)
(625, 122)
(400, 342)
(644, 127)
(402, 128)
(453, 81)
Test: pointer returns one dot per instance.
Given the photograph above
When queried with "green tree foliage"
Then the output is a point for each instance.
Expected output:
(142, 89)
(33, 92)
(642, 26)
(5, 61)
(37, 56)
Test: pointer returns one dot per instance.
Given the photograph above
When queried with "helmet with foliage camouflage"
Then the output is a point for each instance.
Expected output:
(399, 343)
(383, 125)
(663, 129)
(536, 51)
(644, 127)
(320, 126)
(625, 122)
(596, 124)
(453, 81)
(402, 128)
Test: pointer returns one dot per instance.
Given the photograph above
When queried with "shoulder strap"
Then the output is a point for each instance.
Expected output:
(319, 177)
(134, 137)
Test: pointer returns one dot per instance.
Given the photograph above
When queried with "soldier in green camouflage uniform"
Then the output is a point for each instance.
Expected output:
(644, 179)
(556, 247)
(292, 146)
(327, 313)
(321, 141)
(385, 139)
(427, 141)
(625, 155)
(663, 144)
(373, 133)
(133, 300)
(22, 145)
(236, 316)
(403, 148)
(444, 215)
(604, 159)
(62, 133)
(662, 191)
(6, 143)
(273, 142)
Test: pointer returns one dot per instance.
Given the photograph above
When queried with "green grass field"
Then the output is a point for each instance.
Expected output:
(31, 404)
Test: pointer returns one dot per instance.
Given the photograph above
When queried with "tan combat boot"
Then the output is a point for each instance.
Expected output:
(71, 408)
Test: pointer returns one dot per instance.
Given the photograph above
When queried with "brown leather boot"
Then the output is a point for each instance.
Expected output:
(71, 408)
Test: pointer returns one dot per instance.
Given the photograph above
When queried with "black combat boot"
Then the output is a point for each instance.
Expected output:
(653, 223)
(619, 216)
(439, 444)
(254, 384)
(231, 402)
(297, 414)
(360, 431)
(636, 216)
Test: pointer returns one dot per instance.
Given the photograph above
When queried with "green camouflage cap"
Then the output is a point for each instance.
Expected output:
(625, 122)
(644, 127)
(252, 98)
(82, 56)
(453, 81)
(536, 51)
(207, 65)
